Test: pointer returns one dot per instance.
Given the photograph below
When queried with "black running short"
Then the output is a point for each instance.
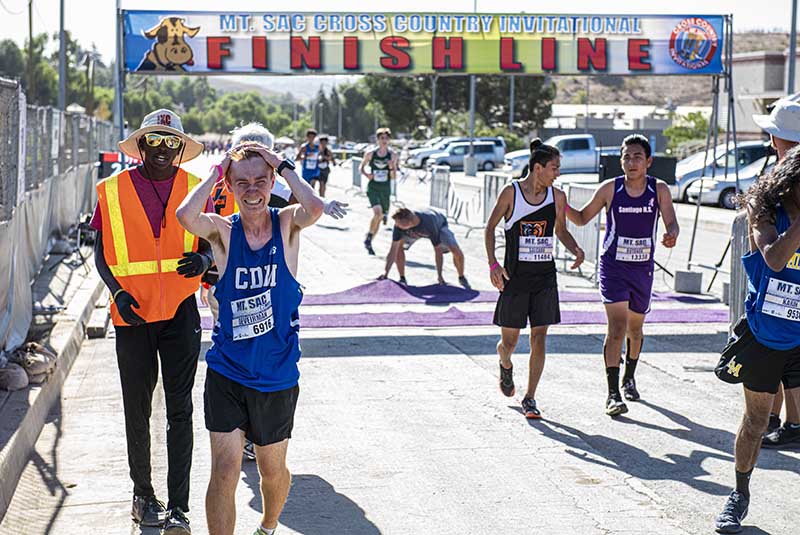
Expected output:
(323, 174)
(763, 369)
(265, 417)
(515, 310)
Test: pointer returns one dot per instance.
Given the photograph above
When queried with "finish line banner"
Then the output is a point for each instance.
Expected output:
(164, 42)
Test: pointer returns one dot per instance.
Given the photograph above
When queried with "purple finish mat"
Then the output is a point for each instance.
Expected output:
(388, 291)
(455, 317)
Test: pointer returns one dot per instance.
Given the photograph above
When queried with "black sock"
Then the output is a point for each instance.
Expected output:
(630, 364)
(369, 236)
(743, 482)
(612, 376)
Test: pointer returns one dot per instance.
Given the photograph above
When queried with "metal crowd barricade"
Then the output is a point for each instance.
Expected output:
(440, 188)
(587, 236)
(493, 184)
(356, 174)
(740, 245)
(10, 143)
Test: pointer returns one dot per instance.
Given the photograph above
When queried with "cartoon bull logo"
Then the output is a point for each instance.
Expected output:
(170, 52)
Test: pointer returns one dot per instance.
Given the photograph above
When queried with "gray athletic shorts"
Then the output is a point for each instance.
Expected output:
(448, 240)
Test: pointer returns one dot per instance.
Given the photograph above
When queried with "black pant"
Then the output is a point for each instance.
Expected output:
(177, 342)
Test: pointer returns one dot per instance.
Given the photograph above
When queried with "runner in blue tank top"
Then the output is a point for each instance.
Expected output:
(308, 156)
(633, 203)
(251, 383)
(772, 355)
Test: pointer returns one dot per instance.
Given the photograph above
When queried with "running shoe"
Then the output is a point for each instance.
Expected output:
(615, 406)
(530, 410)
(176, 523)
(730, 519)
(629, 389)
(385, 218)
(368, 245)
(249, 451)
(774, 423)
(507, 381)
(148, 511)
(785, 436)
(464, 283)
(403, 281)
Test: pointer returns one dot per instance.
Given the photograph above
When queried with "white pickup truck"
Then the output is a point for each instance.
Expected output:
(579, 154)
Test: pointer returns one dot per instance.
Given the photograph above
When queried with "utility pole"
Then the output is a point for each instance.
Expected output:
(511, 104)
(433, 104)
(792, 50)
(62, 60)
(31, 82)
(339, 118)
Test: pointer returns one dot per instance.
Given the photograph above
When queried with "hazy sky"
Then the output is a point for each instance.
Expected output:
(93, 22)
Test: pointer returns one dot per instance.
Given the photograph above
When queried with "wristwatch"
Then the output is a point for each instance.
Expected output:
(285, 164)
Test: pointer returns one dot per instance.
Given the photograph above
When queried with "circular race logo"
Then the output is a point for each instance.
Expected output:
(693, 43)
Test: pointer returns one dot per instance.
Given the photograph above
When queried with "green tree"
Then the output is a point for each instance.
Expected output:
(692, 127)
(12, 64)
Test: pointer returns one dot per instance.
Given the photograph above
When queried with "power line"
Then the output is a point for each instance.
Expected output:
(5, 8)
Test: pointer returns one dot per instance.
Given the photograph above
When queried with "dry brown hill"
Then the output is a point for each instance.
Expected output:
(682, 90)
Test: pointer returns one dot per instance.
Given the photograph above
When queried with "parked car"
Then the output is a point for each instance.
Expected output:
(722, 190)
(690, 169)
(419, 157)
(454, 154)
(516, 163)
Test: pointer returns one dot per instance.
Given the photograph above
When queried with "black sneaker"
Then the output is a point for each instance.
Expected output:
(774, 423)
(629, 389)
(464, 283)
(530, 410)
(507, 381)
(176, 523)
(249, 451)
(730, 519)
(385, 218)
(368, 246)
(402, 281)
(786, 436)
(614, 405)
(148, 511)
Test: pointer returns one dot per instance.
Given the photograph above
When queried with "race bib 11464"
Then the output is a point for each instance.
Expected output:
(782, 300)
(535, 248)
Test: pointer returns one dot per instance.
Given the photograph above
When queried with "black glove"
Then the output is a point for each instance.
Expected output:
(211, 276)
(124, 302)
(193, 264)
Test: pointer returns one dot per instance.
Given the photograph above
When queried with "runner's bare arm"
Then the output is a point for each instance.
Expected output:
(191, 213)
(501, 209)
(599, 200)
(391, 257)
(310, 207)
(364, 162)
(394, 165)
(670, 237)
(560, 230)
(776, 249)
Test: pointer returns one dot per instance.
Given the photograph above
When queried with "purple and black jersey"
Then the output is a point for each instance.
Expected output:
(631, 225)
(626, 265)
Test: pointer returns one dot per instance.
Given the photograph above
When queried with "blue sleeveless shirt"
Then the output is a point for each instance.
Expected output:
(773, 298)
(631, 224)
(255, 340)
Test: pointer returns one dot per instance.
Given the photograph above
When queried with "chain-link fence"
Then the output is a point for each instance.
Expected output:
(41, 143)
(47, 178)
(9, 146)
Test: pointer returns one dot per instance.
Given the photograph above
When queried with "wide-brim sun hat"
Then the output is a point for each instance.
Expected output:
(783, 122)
(162, 120)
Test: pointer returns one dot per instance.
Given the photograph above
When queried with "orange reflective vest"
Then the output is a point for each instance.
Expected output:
(142, 264)
(222, 197)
